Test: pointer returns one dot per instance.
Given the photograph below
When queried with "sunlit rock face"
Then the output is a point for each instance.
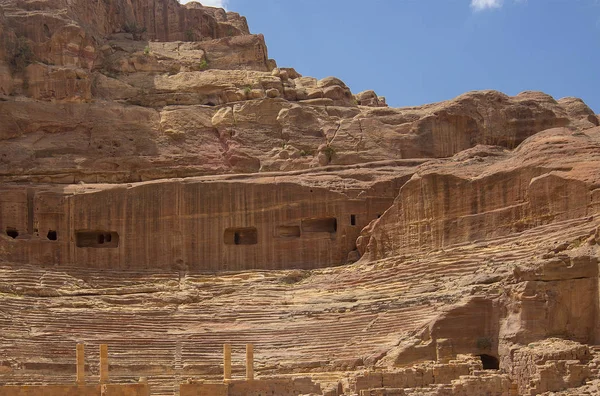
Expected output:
(166, 188)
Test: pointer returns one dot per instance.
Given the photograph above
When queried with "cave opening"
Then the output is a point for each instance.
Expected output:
(52, 235)
(12, 232)
(489, 362)
(353, 220)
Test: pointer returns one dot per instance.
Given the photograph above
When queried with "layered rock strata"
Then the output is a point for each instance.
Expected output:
(166, 189)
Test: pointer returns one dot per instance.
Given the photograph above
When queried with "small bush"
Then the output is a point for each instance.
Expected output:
(329, 152)
(189, 35)
(147, 50)
(203, 65)
(247, 90)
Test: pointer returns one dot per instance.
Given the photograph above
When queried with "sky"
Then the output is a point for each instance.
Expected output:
(421, 51)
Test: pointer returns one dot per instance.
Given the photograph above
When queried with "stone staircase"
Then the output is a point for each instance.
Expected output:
(168, 327)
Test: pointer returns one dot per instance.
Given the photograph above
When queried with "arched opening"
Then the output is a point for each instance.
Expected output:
(52, 236)
(12, 232)
(490, 362)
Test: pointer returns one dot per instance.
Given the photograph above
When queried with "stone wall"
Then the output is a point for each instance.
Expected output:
(548, 366)
(268, 386)
(198, 225)
(556, 298)
(76, 390)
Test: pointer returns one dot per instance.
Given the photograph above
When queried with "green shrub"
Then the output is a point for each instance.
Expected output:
(247, 90)
(147, 50)
(203, 65)
(329, 152)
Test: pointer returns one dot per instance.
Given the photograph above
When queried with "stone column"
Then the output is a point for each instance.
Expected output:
(249, 362)
(226, 362)
(444, 350)
(80, 356)
(103, 363)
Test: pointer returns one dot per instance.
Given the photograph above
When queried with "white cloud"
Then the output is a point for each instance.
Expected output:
(479, 5)
(210, 3)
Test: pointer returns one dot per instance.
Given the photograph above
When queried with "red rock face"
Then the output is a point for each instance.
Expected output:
(200, 225)
(500, 192)
(165, 188)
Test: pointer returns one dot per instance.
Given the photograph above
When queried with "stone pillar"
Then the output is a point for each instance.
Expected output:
(103, 363)
(249, 362)
(226, 362)
(444, 350)
(80, 356)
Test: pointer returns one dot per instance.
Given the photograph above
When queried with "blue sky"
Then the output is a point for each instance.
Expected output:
(421, 51)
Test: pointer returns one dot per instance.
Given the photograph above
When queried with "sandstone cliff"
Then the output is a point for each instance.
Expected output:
(165, 188)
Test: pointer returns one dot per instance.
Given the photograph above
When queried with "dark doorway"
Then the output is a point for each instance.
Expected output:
(241, 236)
(52, 236)
(490, 362)
(96, 239)
(12, 232)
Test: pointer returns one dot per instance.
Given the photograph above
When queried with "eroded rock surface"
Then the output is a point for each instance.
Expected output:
(166, 188)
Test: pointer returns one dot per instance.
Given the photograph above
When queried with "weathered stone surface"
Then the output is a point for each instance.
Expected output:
(320, 231)
(550, 365)
(500, 193)
(166, 189)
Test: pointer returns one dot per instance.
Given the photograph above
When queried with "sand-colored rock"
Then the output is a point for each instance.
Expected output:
(166, 188)
(501, 193)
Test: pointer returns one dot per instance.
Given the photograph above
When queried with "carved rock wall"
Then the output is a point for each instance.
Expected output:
(202, 225)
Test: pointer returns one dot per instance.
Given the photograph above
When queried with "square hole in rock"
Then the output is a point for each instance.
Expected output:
(326, 224)
(97, 239)
(287, 231)
(241, 236)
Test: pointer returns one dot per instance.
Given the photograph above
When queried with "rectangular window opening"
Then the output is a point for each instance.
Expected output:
(353, 220)
(287, 231)
(241, 236)
(326, 224)
(97, 239)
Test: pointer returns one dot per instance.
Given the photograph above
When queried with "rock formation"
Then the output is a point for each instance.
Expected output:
(166, 188)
